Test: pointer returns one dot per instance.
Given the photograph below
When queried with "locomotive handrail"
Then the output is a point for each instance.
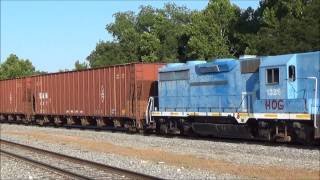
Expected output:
(150, 108)
(236, 107)
(315, 100)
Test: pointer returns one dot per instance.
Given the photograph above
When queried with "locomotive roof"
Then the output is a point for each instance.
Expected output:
(276, 60)
(280, 60)
(227, 62)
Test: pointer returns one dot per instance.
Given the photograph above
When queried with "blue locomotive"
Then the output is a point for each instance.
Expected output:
(271, 98)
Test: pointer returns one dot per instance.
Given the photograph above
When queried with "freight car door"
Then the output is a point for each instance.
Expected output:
(29, 101)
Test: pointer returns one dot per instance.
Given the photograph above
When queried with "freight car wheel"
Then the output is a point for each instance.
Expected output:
(70, 121)
(142, 131)
(84, 121)
(100, 123)
(10, 118)
(40, 122)
(57, 121)
(2, 118)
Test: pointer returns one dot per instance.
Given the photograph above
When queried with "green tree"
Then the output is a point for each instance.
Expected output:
(125, 35)
(14, 67)
(40, 72)
(64, 70)
(286, 27)
(150, 35)
(210, 29)
(175, 33)
(171, 29)
(80, 66)
(148, 47)
(107, 53)
(243, 30)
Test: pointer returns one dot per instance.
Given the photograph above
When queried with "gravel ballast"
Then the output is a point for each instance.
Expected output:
(12, 168)
(236, 153)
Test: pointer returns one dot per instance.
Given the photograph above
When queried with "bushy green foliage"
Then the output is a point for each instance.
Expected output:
(107, 53)
(80, 66)
(284, 26)
(153, 35)
(209, 30)
(14, 67)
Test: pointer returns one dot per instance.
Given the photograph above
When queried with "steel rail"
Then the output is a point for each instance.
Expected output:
(46, 166)
(127, 173)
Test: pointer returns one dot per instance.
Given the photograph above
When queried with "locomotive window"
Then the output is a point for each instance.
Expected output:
(292, 73)
(273, 76)
(269, 76)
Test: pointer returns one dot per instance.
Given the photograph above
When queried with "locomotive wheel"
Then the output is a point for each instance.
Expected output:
(303, 134)
(164, 129)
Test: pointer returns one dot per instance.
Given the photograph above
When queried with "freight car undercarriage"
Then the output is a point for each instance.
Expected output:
(223, 127)
(118, 123)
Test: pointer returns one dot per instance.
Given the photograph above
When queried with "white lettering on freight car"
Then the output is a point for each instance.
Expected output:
(43, 95)
(273, 92)
(10, 98)
(102, 95)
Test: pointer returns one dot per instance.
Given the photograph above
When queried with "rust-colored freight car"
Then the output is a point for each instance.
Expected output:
(115, 94)
(15, 98)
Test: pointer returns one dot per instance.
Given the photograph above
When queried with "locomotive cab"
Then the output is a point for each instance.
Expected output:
(278, 84)
(278, 78)
(289, 92)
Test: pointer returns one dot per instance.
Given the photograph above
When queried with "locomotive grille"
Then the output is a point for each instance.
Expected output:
(250, 66)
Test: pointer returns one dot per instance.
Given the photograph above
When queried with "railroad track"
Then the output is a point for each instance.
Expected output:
(40, 172)
(72, 167)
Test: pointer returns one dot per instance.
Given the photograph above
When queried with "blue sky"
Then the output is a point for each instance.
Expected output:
(54, 34)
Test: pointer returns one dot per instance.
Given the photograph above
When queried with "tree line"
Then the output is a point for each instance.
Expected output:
(177, 34)
(221, 29)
